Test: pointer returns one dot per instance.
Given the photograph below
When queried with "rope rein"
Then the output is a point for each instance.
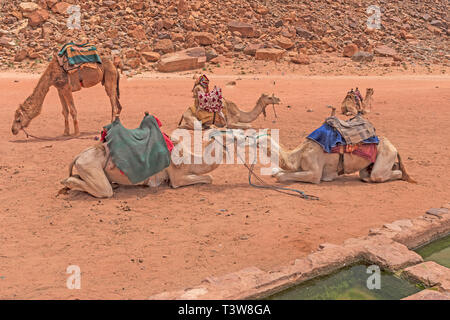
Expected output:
(50, 139)
(288, 191)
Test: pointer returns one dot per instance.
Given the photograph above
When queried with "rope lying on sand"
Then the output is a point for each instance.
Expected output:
(264, 185)
(52, 139)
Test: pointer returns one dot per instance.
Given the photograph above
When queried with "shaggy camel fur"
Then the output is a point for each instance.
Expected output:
(309, 163)
(349, 106)
(54, 75)
(96, 171)
(235, 118)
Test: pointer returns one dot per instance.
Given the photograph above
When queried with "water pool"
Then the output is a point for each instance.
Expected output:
(437, 251)
(349, 283)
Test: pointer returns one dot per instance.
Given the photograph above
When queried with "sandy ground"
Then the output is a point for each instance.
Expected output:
(143, 242)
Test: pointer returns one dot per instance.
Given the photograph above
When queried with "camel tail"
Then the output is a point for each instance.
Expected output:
(405, 175)
(118, 93)
(118, 82)
(72, 164)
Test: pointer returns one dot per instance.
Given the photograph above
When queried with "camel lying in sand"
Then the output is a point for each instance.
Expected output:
(54, 75)
(349, 106)
(309, 163)
(235, 117)
(96, 172)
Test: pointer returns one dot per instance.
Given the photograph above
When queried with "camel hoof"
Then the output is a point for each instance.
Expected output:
(76, 134)
(64, 190)
(275, 171)
(66, 134)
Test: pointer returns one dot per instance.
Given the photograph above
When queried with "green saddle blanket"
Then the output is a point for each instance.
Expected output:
(138, 153)
(79, 53)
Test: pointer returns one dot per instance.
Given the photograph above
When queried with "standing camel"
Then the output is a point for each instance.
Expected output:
(349, 106)
(235, 117)
(309, 163)
(54, 75)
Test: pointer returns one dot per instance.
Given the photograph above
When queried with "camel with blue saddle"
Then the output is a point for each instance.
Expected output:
(336, 148)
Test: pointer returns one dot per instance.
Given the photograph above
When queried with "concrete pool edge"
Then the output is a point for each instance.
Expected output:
(388, 247)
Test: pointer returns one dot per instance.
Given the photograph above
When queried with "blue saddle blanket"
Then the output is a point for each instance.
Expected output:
(328, 138)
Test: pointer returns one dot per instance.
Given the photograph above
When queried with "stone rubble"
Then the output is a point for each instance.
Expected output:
(411, 32)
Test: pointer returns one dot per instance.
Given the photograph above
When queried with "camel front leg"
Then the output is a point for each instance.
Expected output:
(299, 176)
(65, 112)
(191, 179)
(187, 120)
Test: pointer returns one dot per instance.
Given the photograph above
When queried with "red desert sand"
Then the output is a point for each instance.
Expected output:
(142, 242)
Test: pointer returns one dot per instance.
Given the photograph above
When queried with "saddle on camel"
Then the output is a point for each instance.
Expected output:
(140, 156)
(74, 67)
(208, 105)
(340, 147)
(74, 57)
(356, 136)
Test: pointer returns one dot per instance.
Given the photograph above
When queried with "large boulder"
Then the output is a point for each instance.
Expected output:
(164, 46)
(269, 54)
(37, 18)
(303, 33)
(362, 56)
(189, 59)
(203, 38)
(285, 43)
(251, 48)
(138, 33)
(28, 6)
(350, 50)
(245, 29)
(60, 7)
(301, 59)
(151, 56)
(385, 51)
(21, 55)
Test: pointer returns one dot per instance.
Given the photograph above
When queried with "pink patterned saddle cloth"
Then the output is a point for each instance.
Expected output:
(211, 101)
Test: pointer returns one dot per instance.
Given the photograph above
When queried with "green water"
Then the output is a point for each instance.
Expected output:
(437, 251)
(349, 284)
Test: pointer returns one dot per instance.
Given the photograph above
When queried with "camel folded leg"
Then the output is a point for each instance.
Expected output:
(187, 120)
(299, 176)
(190, 180)
(239, 125)
(92, 178)
(382, 168)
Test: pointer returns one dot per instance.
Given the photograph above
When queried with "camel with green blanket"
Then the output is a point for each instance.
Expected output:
(97, 171)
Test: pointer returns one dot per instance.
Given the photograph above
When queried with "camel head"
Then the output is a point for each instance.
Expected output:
(369, 92)
(266, 100)
(20, 121)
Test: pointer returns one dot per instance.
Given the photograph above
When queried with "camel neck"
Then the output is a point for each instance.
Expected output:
(33, 104)
(250, 116)
(288, 159)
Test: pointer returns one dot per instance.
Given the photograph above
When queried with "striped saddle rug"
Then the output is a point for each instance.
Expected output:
(72, 55)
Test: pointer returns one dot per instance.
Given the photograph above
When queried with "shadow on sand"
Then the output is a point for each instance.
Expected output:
(83, 135)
